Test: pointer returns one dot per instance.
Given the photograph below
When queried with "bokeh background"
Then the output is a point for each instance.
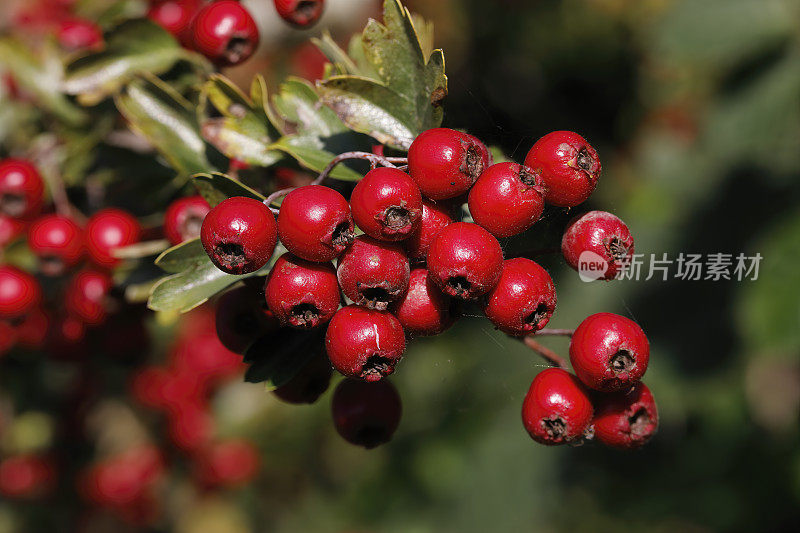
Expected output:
(694, 107)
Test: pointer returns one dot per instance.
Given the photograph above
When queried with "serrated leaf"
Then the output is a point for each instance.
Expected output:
(277, 357)
(310, 154)
(218, 187)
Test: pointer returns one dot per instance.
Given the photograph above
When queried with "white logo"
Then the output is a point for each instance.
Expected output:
(591, 266)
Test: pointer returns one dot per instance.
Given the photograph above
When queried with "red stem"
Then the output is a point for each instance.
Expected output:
(549, 355)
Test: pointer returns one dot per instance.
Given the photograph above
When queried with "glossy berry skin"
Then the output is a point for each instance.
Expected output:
(557, 408)
(373, 273)
(239, 235)
(225, 33)
(364, 343)
(366, 414)
(300, 13)
(604, 235)
(58, 243)
(523, 300)
(568, 166)
(315, 223)
(86, 296)
(108, 230)
(445, 163)
(387, 204)
(507, 199)
(241, 317)
(302, 294)
(175, 16)
(184, 218)
(435, 216)
(19, 292)
(21, 189)
(231, 463)
(424, 310)
(626, 419)
(609, 352)
(79, 34)
(465, 260)
(309, 384)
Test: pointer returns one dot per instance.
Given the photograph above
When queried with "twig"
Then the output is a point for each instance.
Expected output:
(556, 332)
(549, 355)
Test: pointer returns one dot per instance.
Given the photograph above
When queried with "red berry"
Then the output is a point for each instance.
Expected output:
(26, 476)
(108, 230)
(309, 384)
(58, 243)
(204, 359)
(424, 310)
(10, 229)
(77, 34)
(86, 296)
(241, 318)
(445, 163)
(184, 218)
(230, 464)
(387, 204)
(568, 166)
(21, 189)
(364, 343)
(507, 199)
(373, 273)
(300, 293)
(19, 292)
(626, 419)
(557, 408)
(607, 238)
(434, 218)
(147, 387)
(191, 427)
(465, 260)
(315, 223)
(523, 300)
(239, 235)
(300, 13)
(366, 414)
(225, 33)
(609, 352)
(175, 16)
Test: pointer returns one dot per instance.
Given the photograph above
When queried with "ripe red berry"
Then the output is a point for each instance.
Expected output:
(523, 300)
(184, 218)
(310, 383)
(19, 292)
(373, 273)
(78, 34)
(607, 238)
(108, 230)
(387, 204)
(228, 464)
(175, 16)
(21, 189)
(364, 343)
(465, 260)
(315, 223)
(86, 296)
(626, 419)
(507, 199)
(10, 229)
(190, 426)
(300, 13)
(239, 235)
(241, 318)
(58, 243)
(568, 166)
(445, 163)
(609, 352)
(204, 360)
(424, 310)
(435, 216)
(225, 33)
(300, 293)
(366, 414)
(557, 408)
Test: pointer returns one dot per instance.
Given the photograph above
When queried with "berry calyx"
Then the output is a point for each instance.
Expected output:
(524, 298)
(386, 204)
(364, 343)
(86, 296)
(184, 218)
(424, 310)
(373, 273)
(626, 419)
(57, 241)
(300, 13)
(557, 408)
(175, 16)
(308, 384)
(446, 163)
(239, 235)
(604, 235)
(609, 352)
(435, 216)
(19, 292)
(108, 230)
(302, 294)
(465, 260)
(21, 189)
(366, 414)
(507, 199)
(225, 33)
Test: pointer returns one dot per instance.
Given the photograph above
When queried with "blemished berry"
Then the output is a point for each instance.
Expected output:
(435, 216)
(446, 163)
(58, 243)
(300, 293)
(424, 310)
(523, 300)
(241, 317)
(315, 223)
(557, 408)
(626, 419)
(86, 296)
(78, 34)
(224, 32)
(387, 204)
(568, 166)
(373, 273)
(231, 463)
(108, 230)
(603, 234)
(507, 199)
(300, 13)
(310, 383)
(364, 343)
(19, 292)
(239, 235)
(184, 218)
(366, 414)
(21, 189)
(465, 260)
(175, 16)
(609, 352)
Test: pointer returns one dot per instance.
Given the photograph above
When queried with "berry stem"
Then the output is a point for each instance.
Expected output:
(556, 332)
(43, 153)
(549, 355)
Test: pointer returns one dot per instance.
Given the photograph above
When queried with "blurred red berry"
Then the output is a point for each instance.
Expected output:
(86, 296)
(300, 13)
(58, 243)
(184, 218)
(108, 230)
(21, 189)
(366, 414)
(19, 292)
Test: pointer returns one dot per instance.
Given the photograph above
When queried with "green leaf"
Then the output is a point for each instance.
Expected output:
(217, 187)
(297, 103)
(181, 256)
(309, 152)
(277, 357)
(338, 57)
